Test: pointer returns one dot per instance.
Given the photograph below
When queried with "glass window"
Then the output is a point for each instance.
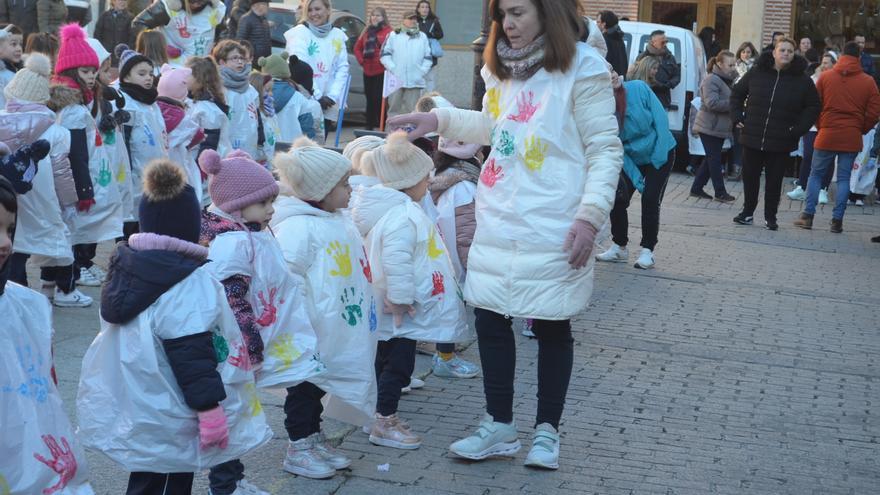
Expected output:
(352, 27)
(627, 40)
(280, 20)
(674, 46)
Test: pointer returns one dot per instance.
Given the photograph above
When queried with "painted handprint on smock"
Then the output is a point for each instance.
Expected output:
(180, 23)
(525, 108)
(104, 174)
(283, 349)
(365, 266)
(62, 462)
(200, 46)
(121, 173)
(109, 137)
(434, 251)
(352, 313)
(270, 311)
(437, 281)
(313, 48)
(254, 408)
(241, 359)
(536, 151)
(221, 346)
(505, 145)
(341, 254)
(98, 141)
(151, 138)
(35, 386)
(491, 173)
(493, 102)
(374, 317)
(214, 18)
(337, 46)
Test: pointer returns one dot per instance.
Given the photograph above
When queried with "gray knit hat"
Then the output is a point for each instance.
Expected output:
(356, 150)
(400, 164)
(310, 170)
(31, 83)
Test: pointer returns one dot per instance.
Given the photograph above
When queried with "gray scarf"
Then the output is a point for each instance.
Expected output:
(524, 62)
(320, 31)
(236, 81)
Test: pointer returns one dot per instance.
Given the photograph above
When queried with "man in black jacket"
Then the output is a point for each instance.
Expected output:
(22, 13)
(669, 73)
(254, 27)
(617, 55)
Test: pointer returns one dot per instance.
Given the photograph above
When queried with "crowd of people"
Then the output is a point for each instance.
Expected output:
(237, 268)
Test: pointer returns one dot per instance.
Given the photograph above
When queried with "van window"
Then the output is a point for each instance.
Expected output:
(627, 40)
(674, 46)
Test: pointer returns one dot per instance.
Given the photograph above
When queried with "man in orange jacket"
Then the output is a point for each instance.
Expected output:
(850, 108)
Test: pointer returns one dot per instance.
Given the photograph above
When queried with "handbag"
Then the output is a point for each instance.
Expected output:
(436, 49)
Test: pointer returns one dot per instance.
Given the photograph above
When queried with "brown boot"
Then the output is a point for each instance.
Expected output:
(836, 226)
(805, 221)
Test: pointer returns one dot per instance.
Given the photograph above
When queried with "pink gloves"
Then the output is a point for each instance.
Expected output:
(213, 430)
(417, 124)
(579, 243)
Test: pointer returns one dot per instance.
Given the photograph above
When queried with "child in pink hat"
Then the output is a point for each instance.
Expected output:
(184, 135)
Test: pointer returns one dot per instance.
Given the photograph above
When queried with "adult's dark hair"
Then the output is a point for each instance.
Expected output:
(7, 195)
(812, 55)
(743, 46)
(851, 48)
(11, 28)
(430, 10)
(609, 18)
(706, 34)
(657, 32)
(562, 24)
(777, 33)
(859, 34)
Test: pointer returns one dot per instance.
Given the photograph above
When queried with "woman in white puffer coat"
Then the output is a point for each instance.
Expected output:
(544, 191)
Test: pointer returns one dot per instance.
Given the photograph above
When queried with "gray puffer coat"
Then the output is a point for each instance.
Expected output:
(713, 118)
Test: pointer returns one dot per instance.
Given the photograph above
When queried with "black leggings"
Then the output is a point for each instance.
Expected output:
(652, 196)
(395, 361)
(498, 358)
(302, 410)
(64, 276)
(83, 254)
(141, 483)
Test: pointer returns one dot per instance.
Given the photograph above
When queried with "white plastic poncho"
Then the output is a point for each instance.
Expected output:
(179, 153)
(193, 34)
(208, 116)
(410, 260)
(148, 141)
(114, 142)
(288, 118)
(327, 251)
(328, 58)
(271, 133)
(39, 452)
(243, 108)
(276, 296)
(129, 404)
(104, 219)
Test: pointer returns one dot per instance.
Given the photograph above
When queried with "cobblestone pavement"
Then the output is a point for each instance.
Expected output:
(746, 362)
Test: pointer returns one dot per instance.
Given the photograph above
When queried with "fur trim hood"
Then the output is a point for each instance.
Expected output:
(61, 97)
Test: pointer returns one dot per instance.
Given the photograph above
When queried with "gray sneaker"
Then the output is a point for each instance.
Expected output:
(454, 368)
(490, 439)
(545, 448)
(330, 455)
(303, 459)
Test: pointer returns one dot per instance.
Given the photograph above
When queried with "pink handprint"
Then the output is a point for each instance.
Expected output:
(491, 173)
(62, 462)
(365, 266)
(525, 108)
(322, 69)
(270, 312)
(437, 278)
(182, 27)
(242, 359)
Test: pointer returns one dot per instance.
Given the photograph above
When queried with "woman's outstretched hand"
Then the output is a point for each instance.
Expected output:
(416, 124)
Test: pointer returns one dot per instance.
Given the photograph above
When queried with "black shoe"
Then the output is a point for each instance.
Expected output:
(725, 198)
(771, 225)
(701, 194)
(875, 239)
(743, 219)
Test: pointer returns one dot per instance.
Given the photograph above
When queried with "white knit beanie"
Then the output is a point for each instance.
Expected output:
(400, 164)
(361, 163)
(99, 50)
(31, 83)
(310, 170)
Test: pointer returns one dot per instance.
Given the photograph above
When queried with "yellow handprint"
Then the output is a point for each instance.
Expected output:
(120, 173)
(254, 408)
(342, 258)
(535, 151)
(337, 46)
(493, 102)
(434, 252)
(284, 350)
(213, 18)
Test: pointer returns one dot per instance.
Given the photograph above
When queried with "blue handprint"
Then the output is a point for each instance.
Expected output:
(374, 324)
(36, 386)
(151, 139)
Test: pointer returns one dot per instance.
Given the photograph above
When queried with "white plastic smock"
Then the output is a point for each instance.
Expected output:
(276, 296)
(39, 452)
(179, 153)
(243, 108)
(328, 59)
(129, 404)
(121, 168)
(327, 251)
(271, 133)
(193, 34)
(148, 141)
(460, 194)
(208, 116)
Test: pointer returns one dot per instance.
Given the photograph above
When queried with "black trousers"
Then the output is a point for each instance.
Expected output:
(63, 276)
(773, 163)
(395, 361)
(498, 358)
(159, 484)
(373, 92)
(302, 410)
(83, 254)
(652, 196)
(224, 477)
(128, 228)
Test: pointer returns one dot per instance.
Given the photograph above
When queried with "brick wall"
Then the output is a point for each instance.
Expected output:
(623, 8)
(777, 17)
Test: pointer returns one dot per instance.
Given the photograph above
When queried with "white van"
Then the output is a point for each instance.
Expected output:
(688, 52)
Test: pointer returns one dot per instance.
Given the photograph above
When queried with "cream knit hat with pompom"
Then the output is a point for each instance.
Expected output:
(400, 164)
(356, 151)
(310, 170)
(31, 84)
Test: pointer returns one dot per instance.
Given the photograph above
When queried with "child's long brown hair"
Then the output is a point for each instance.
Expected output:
(151, 43)
(206, 80)
(73, 75)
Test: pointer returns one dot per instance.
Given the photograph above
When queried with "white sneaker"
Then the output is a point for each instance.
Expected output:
(823, 196)
(98, 272)
(414, 383)
(545, 448)
(244, 487)
(859, 202)
(88, 279)
(331, 456)
(490, 439)
(797, 194)
(75, 299)
(47, 289)
(616, 254)
(646, 259)
(527, 328)
(303, 459)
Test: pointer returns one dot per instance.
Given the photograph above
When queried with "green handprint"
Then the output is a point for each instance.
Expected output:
(353, 312)
(506, 145)
(109, 137)
(458, 292)
(221, 347)
(535, 153)
(313, 48)
(342, 257)
(104, 175)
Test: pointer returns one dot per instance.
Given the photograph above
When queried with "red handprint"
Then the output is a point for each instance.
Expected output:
(365, 266)
(491, 173)
(62, 462)
(322, 69)
(525, 108)
(242, 359)
(438, 284)
(182, 27)
(270, 312)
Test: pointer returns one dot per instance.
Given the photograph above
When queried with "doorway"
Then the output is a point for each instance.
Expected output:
(692, 15)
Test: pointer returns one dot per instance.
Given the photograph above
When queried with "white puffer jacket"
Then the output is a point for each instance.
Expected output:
(410, 266)
(328, 59)
(556, 158)
(408, 58)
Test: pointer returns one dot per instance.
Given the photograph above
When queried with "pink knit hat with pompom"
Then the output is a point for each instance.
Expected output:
(236, 181)
(172, 84)
(74, 51)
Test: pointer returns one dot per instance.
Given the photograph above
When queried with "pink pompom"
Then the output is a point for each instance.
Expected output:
(72, 31)
(209, 162)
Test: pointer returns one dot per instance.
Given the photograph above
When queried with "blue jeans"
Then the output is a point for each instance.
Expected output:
(822, 161)
(804, 175)
(712, 166)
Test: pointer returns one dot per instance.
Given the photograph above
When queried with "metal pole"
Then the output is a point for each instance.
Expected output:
(479, 87)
